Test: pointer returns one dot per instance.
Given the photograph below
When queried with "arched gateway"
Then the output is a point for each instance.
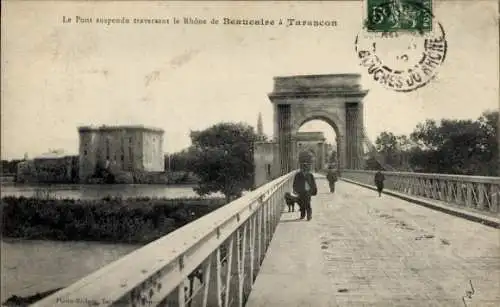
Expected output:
(334, 98)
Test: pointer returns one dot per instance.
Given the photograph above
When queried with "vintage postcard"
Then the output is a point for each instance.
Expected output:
(250, 153)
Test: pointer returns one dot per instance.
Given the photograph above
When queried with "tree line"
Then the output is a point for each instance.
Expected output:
(9, 167)
(450, 146)
(221, 156)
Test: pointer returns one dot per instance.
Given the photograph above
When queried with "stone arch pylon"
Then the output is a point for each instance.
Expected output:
(336, 99)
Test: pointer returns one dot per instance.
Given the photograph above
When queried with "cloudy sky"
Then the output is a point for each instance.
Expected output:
(56, 77)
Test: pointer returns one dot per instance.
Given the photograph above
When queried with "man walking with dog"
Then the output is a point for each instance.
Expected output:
(304, 186)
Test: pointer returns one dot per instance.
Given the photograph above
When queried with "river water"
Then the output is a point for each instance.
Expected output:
(29, 267)
(96, 191)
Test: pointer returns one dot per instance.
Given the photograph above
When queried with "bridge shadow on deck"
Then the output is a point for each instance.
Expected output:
(363, 250)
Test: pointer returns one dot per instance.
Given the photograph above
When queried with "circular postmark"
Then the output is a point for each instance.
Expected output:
(402, 61)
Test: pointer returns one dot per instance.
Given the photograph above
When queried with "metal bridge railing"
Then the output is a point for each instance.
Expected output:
(212, 261)
(477, 192)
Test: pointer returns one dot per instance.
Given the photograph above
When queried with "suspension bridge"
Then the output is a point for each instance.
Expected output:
(430, 240)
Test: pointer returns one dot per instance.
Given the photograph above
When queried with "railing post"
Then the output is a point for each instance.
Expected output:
(427, 188)
(459, 193)
(442, 192)
(252, 247)
(269, 212)
(494, 198)
(482, 191)
(241, 251)
(181, 297)
(435, 189)
(228, 274)
(264, 229)
(279, 205)
(449, 192)
(420, 187)
(271, 215)
(259, 232)
(219, 278)
(206, 279)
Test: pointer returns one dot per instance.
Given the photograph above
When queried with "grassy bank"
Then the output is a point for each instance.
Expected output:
(134, 220)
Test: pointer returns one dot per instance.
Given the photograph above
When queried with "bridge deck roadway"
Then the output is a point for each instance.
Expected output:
(362, 250)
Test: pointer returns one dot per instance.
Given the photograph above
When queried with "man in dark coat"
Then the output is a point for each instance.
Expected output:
(379, 182)
(304, 186)
(331, 176)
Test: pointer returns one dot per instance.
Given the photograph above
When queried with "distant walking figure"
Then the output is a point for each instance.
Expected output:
(379, 182)
(331, 176)
(304, 186)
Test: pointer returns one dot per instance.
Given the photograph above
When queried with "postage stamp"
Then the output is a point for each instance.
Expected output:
(398, 15)
(402, 61)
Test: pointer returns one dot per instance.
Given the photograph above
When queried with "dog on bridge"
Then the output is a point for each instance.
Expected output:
(290, 201)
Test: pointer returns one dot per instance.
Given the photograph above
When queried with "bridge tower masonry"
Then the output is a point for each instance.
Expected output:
(337, 99)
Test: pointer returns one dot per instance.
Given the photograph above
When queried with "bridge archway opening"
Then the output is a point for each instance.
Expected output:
(317, 135)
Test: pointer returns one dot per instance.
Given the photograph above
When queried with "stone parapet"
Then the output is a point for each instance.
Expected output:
(337, 85)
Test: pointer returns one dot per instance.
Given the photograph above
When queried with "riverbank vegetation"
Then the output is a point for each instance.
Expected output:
(133, 220)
